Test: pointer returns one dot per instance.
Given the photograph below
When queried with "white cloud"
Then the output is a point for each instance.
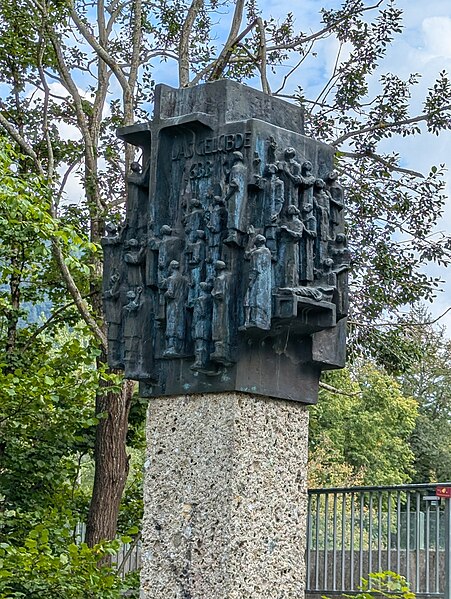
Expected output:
(437, 36)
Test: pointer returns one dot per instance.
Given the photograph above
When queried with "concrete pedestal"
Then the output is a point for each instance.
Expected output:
(225, 498)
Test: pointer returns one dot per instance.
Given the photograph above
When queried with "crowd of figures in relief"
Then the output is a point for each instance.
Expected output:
(260, 245)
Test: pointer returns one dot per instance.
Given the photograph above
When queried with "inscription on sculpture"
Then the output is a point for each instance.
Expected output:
(233, 250)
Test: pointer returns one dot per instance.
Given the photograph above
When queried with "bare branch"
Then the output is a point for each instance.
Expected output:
(103, 54)
(45, 122)
(262, 56)
(322, 32)
(85, 129)
(388, 126)
(331, 80)
(221, 62)
(22, 143)
(136, 44)
(185, 35)
(400, 324)
(227, 59)
(338, 391)
(79, 301)
(291, 71)
(386, 163)
(64, 180)
(54, 316)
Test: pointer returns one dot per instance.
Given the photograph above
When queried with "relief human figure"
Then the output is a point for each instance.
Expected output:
(322, 209)
(291, 235)
(293, 176)
(336, 198)
(217, 228)
(132, 332)
(222, 324)
(175, 296)
(327, 283)
(113, 317)
(169, 247)
(195, 254)
(236, 200)
(112, 248)
(137, 195)
(271, 149)
(257, 301)
(194, 219)
(134, 252)
(276, 200)
(276, 191)
(307, 183)
(310, 234)
(134, 258)
(113, 234)
(341, 257)
(202, 327)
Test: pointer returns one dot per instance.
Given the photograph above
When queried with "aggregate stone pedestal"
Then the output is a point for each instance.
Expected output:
(225, 498)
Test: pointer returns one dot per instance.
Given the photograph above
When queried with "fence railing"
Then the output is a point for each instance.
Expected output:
(355, 531)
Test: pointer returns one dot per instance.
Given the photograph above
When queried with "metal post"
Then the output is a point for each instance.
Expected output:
(448, 548)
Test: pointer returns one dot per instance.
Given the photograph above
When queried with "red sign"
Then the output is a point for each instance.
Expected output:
(443, 492)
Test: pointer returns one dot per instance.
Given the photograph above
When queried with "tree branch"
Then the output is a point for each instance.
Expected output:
(322, 32)
(291, 71)
(220, 63)
(384, 125)
(337, 391)
(185, 34)
(45, 127)
(90, 149)
(22, 143)
(263, 56)
(79, 301)
(48, 322)
(386, 163)
(400, 324)
(56, 249)
(89, 37)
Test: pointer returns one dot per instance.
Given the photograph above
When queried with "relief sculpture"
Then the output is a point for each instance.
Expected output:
(233, 255)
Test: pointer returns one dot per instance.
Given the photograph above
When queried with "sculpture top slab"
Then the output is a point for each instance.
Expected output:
(230, 270)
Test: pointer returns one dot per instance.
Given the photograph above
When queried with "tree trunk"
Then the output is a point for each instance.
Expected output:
(111, 462)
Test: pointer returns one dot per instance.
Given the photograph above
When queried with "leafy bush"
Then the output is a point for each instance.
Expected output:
(45, 567)
(383, 584)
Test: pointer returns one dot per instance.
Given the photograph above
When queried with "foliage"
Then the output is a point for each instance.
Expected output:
(384, 584)
(428, 380)
(364, 430)
(50, 564)
(48, 383)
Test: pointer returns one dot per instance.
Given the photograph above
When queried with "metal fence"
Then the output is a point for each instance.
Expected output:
(355, 531)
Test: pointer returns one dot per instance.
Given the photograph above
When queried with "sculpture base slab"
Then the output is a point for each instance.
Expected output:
(225, 498)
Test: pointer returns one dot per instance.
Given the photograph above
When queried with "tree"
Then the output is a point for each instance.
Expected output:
(48, 385)
(428, 380)
(58, 68)
(361, 435)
